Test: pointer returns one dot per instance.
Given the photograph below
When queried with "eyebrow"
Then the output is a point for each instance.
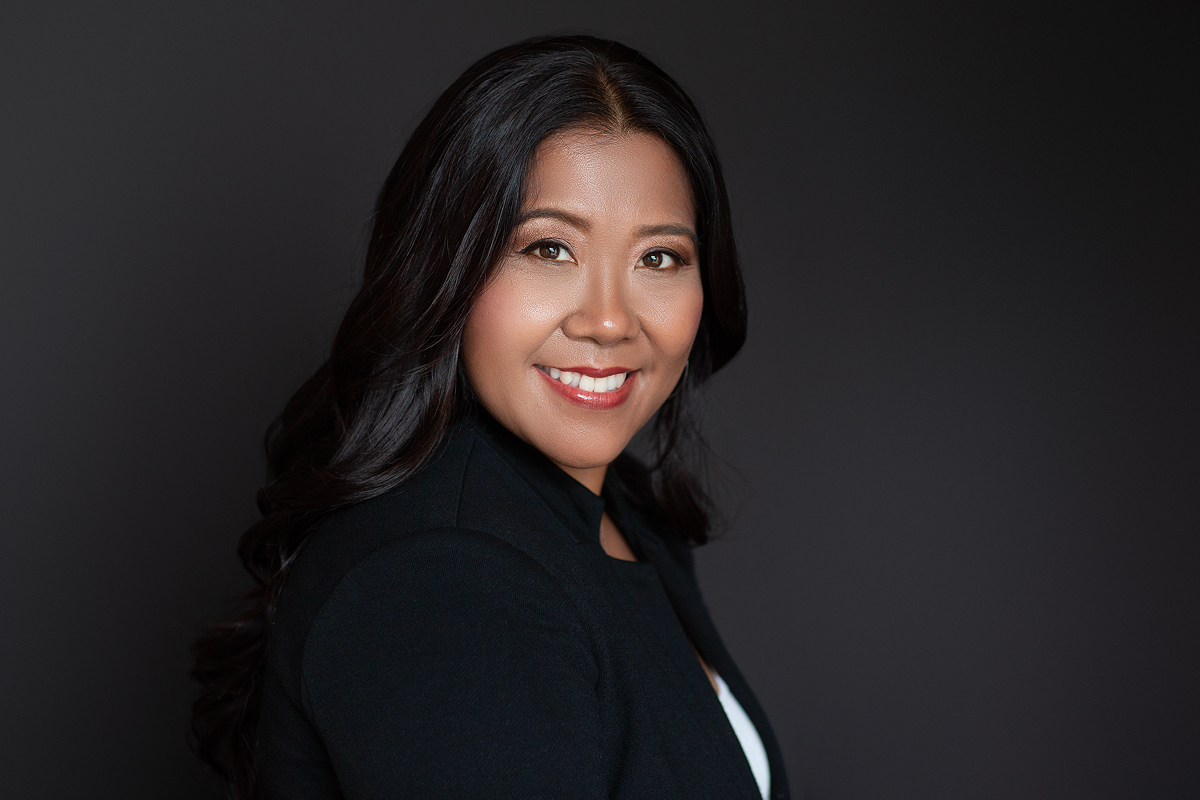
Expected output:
(583, 225)
(670, 230)
(554, 213)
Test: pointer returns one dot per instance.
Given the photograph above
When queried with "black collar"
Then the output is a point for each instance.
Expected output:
(572, 502)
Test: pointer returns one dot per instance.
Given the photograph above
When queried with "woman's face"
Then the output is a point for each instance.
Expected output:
(586, 326)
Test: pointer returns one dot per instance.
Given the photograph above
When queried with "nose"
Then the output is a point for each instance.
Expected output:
(604, 313)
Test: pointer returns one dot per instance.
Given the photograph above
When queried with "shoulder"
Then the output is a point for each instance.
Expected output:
(436, 590)
(446, 662)
(437, 567)
(440, 609)
(434, 649)
(466, 529)
(357, 533)
(440, 591)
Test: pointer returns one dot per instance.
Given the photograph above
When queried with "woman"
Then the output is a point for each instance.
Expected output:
(465, 587)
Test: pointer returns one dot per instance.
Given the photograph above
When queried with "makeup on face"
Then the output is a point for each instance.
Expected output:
(587, 324)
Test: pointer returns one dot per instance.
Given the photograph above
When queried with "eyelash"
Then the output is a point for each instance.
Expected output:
(534, 247)
(540, 243)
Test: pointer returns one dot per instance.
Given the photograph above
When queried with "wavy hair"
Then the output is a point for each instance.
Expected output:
(375, 411)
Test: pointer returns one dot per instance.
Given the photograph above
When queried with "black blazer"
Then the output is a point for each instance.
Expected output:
(465, 636)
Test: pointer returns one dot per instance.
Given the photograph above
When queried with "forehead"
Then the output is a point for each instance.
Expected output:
(633, 176)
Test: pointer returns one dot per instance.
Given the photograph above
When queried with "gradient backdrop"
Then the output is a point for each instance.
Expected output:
(963, 559)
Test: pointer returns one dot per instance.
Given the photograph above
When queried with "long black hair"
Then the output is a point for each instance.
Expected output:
(377, 409)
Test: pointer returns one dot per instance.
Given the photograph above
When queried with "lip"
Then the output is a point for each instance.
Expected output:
(595, 401)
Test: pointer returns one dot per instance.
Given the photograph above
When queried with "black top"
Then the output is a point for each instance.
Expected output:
(464, 635)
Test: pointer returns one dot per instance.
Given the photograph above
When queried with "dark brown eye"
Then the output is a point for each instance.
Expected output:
(551, 251)
(659, 259)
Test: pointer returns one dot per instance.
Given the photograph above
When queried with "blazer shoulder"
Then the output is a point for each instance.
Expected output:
(349, 535)
(439, 645)
(439, 567)
(468, 513)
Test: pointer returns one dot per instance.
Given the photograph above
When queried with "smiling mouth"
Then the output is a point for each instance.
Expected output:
(601, 383)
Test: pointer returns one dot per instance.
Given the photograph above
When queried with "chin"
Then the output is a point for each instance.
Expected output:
(569, 454)
(573, 459)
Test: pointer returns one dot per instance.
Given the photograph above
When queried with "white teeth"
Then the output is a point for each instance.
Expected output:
(609, 383)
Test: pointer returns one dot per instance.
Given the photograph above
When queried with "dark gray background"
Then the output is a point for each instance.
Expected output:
(963, 553)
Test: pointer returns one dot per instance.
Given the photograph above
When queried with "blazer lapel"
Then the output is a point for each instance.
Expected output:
(685, 708)
(683, 595)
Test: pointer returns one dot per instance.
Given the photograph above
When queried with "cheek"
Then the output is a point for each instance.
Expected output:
(673, 319)
(507, 323)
